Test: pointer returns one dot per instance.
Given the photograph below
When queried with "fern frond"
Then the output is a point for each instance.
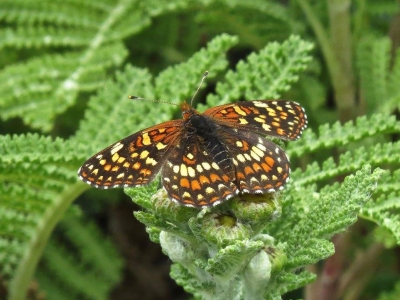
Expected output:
(385, 213)
(379, 81)
(75, 14)
(256, 22)
(38, 183)
(339, 135)
(385, 210)
(349, 162)
(43, 87)
(393, 84)
(373, 62)
(87, 271)
(268, 8)
(180, 81)
(107, 119)
(264, 75)
(19, 153)
(389, 182)
(305, 236)
(76, 24)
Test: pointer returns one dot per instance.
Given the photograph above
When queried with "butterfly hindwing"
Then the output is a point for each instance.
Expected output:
(260, 165)
(192, 177)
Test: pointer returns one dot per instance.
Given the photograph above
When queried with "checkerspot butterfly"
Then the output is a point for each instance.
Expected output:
(205, 158)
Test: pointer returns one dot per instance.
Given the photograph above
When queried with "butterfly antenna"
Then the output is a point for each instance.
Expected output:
(159, 101)
(201, 82)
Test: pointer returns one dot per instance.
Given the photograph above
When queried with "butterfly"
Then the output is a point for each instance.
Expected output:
(205, 158)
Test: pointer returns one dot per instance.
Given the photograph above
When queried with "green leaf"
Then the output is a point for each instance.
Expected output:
(233, 258)
(107, 118)
(379, 80)
(385, 210)
(265, 75)
(392, 295)
(336, 135)
(89, 269)
(89, 34)
(332, 211)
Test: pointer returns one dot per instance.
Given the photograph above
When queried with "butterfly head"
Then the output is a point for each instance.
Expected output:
(187, 110)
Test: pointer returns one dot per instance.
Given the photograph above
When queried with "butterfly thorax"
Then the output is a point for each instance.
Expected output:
(196, 123)
(206, 132)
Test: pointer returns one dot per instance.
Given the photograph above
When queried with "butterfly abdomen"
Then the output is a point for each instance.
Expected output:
(207, 132)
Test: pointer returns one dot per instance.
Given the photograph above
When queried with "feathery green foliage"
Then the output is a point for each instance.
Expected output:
(39, 179)
(393, 295)
(272, 71)
(256, 22)
(379, 76)
(88, 274)
(386, 210)
(106, 117)
(338, 135)
(89, 35)
(38, 184)
(53, 54)
(298, 235)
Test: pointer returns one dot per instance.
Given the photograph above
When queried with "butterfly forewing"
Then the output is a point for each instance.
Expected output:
(133, 161)
(282, 119)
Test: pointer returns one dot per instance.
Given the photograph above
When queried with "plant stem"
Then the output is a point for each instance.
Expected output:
(337, 51)
(341, 41)
(360, 272)
(23, 275)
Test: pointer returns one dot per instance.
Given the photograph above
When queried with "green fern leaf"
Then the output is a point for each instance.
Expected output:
(89, 273)
(349, 162)
(44, 87)
(90, 34)
(38, 184)
(373, 62)
(385, 210)
(211, 58)
(264, 75)
(379, 81)
(256, 22)
(306, 226)
(341, 135)
(108, 110)
(39, 179)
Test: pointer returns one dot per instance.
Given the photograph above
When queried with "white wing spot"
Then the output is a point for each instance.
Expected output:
(116, 148)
